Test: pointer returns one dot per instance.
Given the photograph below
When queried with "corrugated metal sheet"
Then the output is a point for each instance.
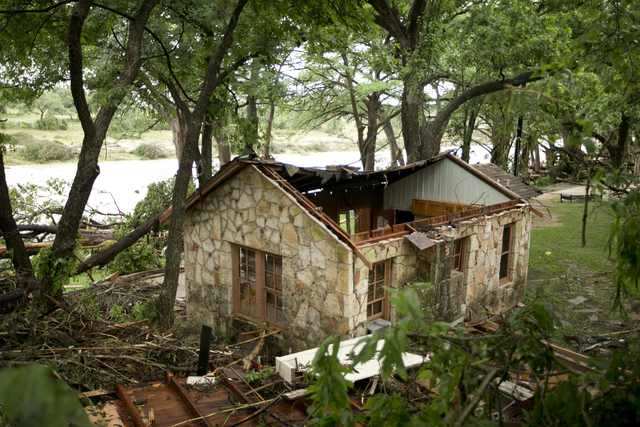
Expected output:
(444, 181)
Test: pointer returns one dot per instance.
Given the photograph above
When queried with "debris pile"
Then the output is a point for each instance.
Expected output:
(92, 345)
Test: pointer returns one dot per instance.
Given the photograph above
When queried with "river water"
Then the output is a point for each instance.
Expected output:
(121, 184)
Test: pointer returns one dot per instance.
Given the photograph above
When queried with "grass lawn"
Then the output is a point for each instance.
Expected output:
(556, 244)
(576, 283)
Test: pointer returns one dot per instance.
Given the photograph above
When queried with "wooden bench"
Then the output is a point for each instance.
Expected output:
(578, 197)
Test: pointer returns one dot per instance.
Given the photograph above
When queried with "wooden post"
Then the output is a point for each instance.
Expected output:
(205, 344)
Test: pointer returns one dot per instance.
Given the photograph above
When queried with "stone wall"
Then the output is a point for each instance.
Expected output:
(485, 294)
(324, 284)
(251, 210)
(474, 293)
(403, 269)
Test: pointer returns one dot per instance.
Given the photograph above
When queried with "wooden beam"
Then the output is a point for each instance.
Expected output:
(184, 397)
(132, 410)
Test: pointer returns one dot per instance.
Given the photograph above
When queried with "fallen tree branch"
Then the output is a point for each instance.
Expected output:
(88, 239)
(105, 256)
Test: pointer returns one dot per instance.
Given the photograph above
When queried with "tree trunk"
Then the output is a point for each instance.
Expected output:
(517, 153)
(224, 151)
(537, 164)
(397, 159)
(206, 166)
(431, 133)
(178, 134)
(355, 111)
(193, 120)
(94, 131)
(412, 118)
(467, 136)
(251, 139)
(636, 155)
(550, 156)
(173, 252)
(8, 227)
(267, 137)
(368, 150)
(525, 155)
(585, 211)
(618, 149)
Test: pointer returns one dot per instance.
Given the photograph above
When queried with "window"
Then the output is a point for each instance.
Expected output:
(460, 254)
(273, 288)
(258, 284)
(248, 284)
(505, 255)
(376, 295)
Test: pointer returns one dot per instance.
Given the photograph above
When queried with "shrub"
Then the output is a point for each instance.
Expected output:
(46, 151)
(145, 254)
(51, 122)
(149, 152)
(544, 181)
(7, 142)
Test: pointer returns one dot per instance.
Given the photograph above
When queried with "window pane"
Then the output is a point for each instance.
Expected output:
(504, 266)
(506, 238)
(273, 288)
(379, 292)
(377, 307)
(247, 276)
(376, 290)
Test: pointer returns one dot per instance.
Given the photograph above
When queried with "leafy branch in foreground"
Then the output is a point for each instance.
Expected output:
(459, 382)
(624, 245)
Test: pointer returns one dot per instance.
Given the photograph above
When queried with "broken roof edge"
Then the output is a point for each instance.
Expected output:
(312, 210)
(449, 219)
(231, 168)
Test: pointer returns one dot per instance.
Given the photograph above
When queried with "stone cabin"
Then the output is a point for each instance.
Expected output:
(317, 251)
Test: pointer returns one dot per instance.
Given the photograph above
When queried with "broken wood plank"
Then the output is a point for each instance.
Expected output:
(95, 393)
(131, 409)
(184, 397)
(296, 394)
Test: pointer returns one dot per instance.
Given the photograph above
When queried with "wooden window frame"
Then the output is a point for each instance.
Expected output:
(261, 285)
(460, 254)
(508, 253)
(273, 284)
(385, 282)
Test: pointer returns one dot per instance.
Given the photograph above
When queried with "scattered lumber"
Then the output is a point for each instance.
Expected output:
(248, 359)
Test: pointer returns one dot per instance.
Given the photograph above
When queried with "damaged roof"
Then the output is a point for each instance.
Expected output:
(296, 181)
(306, 179)
(512, 182)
